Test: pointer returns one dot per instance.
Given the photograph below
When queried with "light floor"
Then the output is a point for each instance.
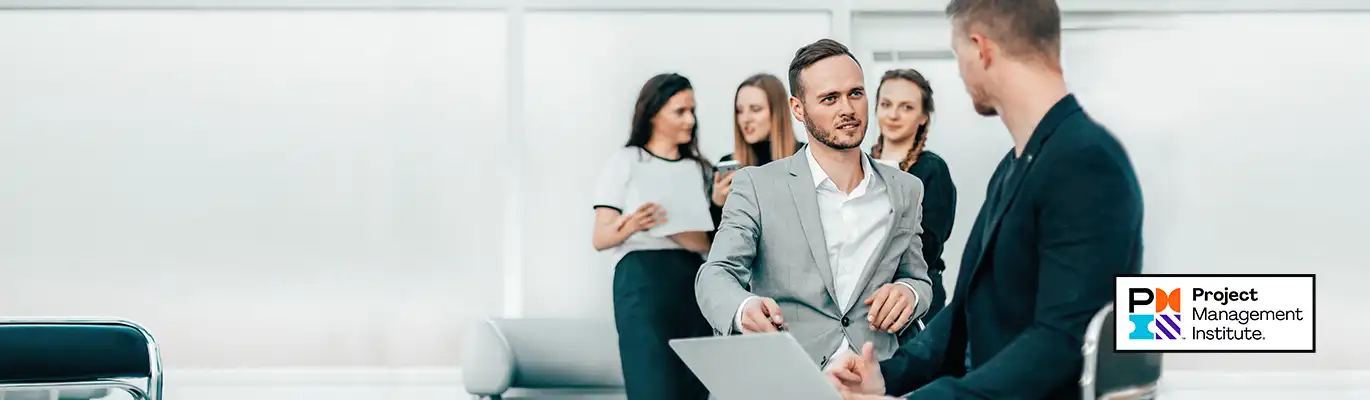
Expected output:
(372, 393)
(372, 384)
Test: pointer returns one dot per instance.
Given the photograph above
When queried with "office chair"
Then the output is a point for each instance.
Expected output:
(73, 355)
(1109, 375)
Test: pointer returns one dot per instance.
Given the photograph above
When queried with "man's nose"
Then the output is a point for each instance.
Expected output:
(846, 106)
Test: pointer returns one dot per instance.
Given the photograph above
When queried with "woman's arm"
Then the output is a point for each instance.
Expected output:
(716, 206)
(609, 232)
(612, 228)
(612, 225)
(694, 241)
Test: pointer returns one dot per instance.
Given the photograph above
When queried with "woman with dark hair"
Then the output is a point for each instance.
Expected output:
(904, 108)
(761, 131)
(654, 272)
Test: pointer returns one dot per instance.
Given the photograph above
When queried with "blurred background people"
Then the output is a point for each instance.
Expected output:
(762, 131)
(653, 284)
(904, 108)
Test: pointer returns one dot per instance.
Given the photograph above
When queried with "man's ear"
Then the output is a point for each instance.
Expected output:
(797, 109)
(985, 48)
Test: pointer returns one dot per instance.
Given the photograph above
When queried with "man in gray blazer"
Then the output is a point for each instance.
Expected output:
(823, 243)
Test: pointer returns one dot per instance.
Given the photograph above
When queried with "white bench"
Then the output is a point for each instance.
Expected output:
(543, 358)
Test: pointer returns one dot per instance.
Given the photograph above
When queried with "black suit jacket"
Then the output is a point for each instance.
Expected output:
(1058, 223)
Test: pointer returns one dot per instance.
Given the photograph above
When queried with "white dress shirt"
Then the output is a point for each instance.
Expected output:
(854, 225)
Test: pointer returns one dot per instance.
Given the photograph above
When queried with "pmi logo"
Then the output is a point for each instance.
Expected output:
(1167, 323)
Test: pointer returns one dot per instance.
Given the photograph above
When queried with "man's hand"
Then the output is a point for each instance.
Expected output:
(891, 307)
(859, 375)
(760, 315)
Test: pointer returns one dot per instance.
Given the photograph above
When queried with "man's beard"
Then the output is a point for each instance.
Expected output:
(982, 107)
(827, 138)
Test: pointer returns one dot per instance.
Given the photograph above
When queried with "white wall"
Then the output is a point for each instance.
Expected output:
(584, 71)
(1262, 160)
(336, 175)
(1243, 129)
(257, 187)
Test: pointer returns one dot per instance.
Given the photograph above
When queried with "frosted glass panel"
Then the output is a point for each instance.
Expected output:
(1245, 133)
(258, 188)
(1249, 146)
(584, 72)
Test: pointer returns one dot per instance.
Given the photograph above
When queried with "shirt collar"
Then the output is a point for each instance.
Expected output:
(819, 176)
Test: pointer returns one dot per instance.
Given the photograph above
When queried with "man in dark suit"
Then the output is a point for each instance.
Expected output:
(1062, 216)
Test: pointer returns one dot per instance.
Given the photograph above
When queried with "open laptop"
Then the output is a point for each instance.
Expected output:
(757, 366)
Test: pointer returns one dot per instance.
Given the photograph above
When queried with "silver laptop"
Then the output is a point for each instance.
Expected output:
(757, 366)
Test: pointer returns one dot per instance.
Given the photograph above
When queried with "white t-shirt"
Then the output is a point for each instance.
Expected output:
(633, 176)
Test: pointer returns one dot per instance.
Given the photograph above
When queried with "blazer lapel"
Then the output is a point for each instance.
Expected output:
(897, 205)
(806, 202)
(996, 216)
(1052, 121)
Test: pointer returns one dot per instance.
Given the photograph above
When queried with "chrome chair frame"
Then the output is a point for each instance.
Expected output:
(1088, 375)
(140, 387)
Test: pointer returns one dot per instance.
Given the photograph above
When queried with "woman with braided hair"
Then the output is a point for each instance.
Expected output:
(904, 108)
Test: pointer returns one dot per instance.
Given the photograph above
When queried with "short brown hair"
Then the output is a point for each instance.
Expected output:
(1025, 28)
(810, 54)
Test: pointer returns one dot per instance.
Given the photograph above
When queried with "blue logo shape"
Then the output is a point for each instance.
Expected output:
(1139, 324)
(1169, 325)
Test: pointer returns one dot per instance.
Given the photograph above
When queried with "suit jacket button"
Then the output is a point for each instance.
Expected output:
(846, 321)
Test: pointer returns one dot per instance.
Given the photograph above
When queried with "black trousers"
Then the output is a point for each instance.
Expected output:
(654, 302)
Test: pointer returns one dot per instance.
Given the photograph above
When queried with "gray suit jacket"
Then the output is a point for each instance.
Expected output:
(770, 243)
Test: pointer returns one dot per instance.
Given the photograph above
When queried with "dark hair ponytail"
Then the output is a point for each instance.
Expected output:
(653, 96)
(650, 102)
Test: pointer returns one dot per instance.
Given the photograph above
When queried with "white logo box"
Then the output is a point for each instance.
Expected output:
(1216, 313)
